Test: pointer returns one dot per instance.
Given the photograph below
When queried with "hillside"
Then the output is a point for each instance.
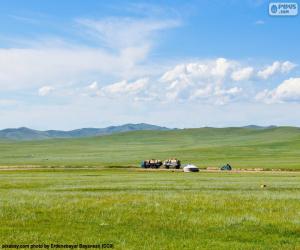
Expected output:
(24, 133)
(242, 147)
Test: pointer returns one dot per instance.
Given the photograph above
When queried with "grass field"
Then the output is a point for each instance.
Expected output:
(57, 201)
(135, 209)
(241, 147)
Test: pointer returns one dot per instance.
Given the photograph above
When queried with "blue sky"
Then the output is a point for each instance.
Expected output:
(70, 64)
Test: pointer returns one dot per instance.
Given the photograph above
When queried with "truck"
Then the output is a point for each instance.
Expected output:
(172, 163)
(153, 163)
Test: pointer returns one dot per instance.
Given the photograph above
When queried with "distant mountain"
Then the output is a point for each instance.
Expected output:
(24, 133)
(259, 127)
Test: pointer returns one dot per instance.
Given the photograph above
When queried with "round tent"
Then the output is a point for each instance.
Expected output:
(190, 168)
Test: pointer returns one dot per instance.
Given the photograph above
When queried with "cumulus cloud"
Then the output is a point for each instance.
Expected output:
(45, 90)
(287, 91)
(287, 66)
(124, 87)
(216, 95)
(242, 74)
(276, 67)
(120, 89)
(201, 81)
(212, 69)
(216, 81)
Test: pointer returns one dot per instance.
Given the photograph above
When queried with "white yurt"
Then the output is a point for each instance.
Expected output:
(190, 168)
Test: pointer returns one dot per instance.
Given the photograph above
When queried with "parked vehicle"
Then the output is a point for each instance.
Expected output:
(172, 163)
(153, 163)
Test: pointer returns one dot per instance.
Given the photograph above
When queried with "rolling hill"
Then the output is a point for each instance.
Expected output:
(24, 133)
(273, 147)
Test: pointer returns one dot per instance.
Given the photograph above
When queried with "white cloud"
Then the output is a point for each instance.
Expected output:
(93, 86)
(122, 45)
(120, 89)
(276, 67)
(216, 95)
(287, 91)
(206, 70)
(27, 68)
(221, 67)
(215, 81)
(233, 91)
(269, 70)
(201, 81)
(219, 81)
(126, 32)
(242, 74)
(45, 90)
(287, 66)
(125, 87)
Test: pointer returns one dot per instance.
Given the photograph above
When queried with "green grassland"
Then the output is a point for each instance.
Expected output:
(207, 147)
(135, 209)
(145, 209)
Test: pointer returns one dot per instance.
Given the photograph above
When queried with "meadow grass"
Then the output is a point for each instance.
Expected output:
(241, 147)
(136, 209)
